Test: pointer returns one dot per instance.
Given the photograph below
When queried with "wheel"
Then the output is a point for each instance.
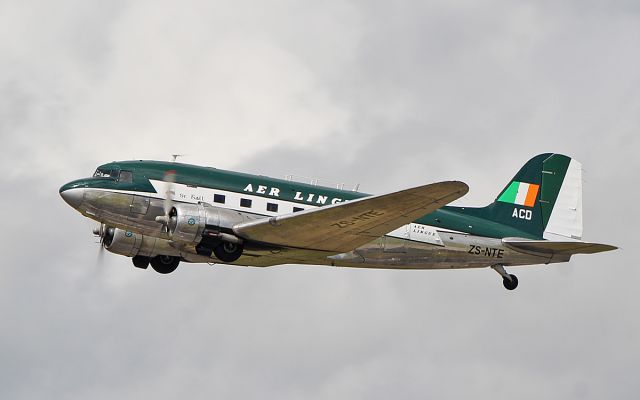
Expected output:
(228, 252)
(141, 262)
(164, 264)
(510, 284)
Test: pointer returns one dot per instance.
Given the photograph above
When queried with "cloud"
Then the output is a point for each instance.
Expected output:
(206, 80)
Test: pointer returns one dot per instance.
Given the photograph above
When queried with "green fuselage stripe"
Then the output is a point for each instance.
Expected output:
(462, 219)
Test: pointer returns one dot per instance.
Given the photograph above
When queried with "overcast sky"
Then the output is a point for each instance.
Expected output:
(385, 94)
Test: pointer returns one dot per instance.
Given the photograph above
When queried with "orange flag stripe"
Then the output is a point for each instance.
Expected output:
(530, 200)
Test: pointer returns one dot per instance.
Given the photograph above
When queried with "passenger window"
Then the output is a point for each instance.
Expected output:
(125, 177)
(296, 209)
(219, 198)
(245, 203)
(272, 207)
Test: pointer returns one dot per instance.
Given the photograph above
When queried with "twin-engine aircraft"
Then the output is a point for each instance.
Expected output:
(161, 213)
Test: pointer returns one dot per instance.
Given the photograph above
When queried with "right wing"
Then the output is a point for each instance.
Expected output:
(343, 227)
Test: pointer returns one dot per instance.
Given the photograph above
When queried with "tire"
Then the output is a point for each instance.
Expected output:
(228, 252)
(165, 264)
(141, 262)
(510, 284)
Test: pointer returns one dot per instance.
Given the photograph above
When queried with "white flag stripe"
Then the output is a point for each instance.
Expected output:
(521, 197)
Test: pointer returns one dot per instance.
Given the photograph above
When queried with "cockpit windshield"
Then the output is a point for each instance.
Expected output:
(106, 173)
(114, 173)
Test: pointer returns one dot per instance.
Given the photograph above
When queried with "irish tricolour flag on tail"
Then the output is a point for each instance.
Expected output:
(520, 193)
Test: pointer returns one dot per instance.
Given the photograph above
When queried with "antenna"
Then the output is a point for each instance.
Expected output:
(319, 182)
(174, 157)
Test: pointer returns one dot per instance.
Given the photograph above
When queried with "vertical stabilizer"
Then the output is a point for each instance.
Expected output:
(543, 200)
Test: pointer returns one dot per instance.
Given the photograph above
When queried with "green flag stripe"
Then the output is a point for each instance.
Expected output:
(509, 195)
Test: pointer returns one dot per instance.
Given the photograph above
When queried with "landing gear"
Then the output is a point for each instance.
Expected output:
(509, 281)
(141, 262)
(165, 264)
(228, 252)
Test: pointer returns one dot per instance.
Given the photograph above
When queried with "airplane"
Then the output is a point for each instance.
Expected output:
(161, 213)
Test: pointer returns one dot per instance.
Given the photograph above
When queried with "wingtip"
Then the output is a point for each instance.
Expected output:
(602, 247)
(454, 190)
(464, 186)
(459, 186)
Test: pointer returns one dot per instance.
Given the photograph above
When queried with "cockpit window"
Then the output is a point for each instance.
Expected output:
(105, 173)
(125, 177)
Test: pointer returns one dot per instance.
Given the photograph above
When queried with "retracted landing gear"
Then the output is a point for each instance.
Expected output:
(165, 264)
(509, 281)
(160, 264)
(141, 262)
(228, 252)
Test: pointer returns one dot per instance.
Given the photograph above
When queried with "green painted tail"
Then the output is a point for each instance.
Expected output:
(544, 199)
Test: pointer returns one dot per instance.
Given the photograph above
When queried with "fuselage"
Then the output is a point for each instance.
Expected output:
(131, 195)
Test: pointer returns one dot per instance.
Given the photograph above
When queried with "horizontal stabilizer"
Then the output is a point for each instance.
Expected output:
(343, 227)
(549, 247)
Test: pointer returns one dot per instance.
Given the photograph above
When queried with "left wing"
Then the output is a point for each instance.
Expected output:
(556, 247)
(343, 227)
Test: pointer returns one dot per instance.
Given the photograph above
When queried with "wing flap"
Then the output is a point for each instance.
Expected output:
(553, 247)
(343, 227)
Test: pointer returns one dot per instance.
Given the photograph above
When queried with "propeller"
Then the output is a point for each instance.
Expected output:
(98, 231)
(100, 258)
(169, 179)
(167, 205)
(105, 234)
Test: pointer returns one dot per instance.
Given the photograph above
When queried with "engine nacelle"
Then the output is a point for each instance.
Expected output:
(189, 223)
(127, 243)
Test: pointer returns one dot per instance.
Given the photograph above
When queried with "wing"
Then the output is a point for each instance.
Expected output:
(284, 256)
(343, 227)
(551, 247)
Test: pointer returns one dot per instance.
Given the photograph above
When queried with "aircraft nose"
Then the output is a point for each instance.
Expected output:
(73, 196)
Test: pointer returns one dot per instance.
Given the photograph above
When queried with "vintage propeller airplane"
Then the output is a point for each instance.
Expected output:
(161, 213)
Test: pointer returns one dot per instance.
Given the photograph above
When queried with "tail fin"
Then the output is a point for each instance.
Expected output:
(544, 199)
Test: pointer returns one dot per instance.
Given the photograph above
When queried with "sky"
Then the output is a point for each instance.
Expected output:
(387, 95)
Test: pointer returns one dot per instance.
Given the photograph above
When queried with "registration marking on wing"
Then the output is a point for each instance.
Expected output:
(369, 215)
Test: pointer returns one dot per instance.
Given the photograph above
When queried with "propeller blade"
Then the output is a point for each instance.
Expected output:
(100, 259)
(170, 179)
(99, 231)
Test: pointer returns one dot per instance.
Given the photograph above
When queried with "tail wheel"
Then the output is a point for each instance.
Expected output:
(509, 281)
(228, 252)
(510, 284)
(165, 264)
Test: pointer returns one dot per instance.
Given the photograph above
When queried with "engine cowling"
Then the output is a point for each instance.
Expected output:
(127, 243)
(190, 223)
